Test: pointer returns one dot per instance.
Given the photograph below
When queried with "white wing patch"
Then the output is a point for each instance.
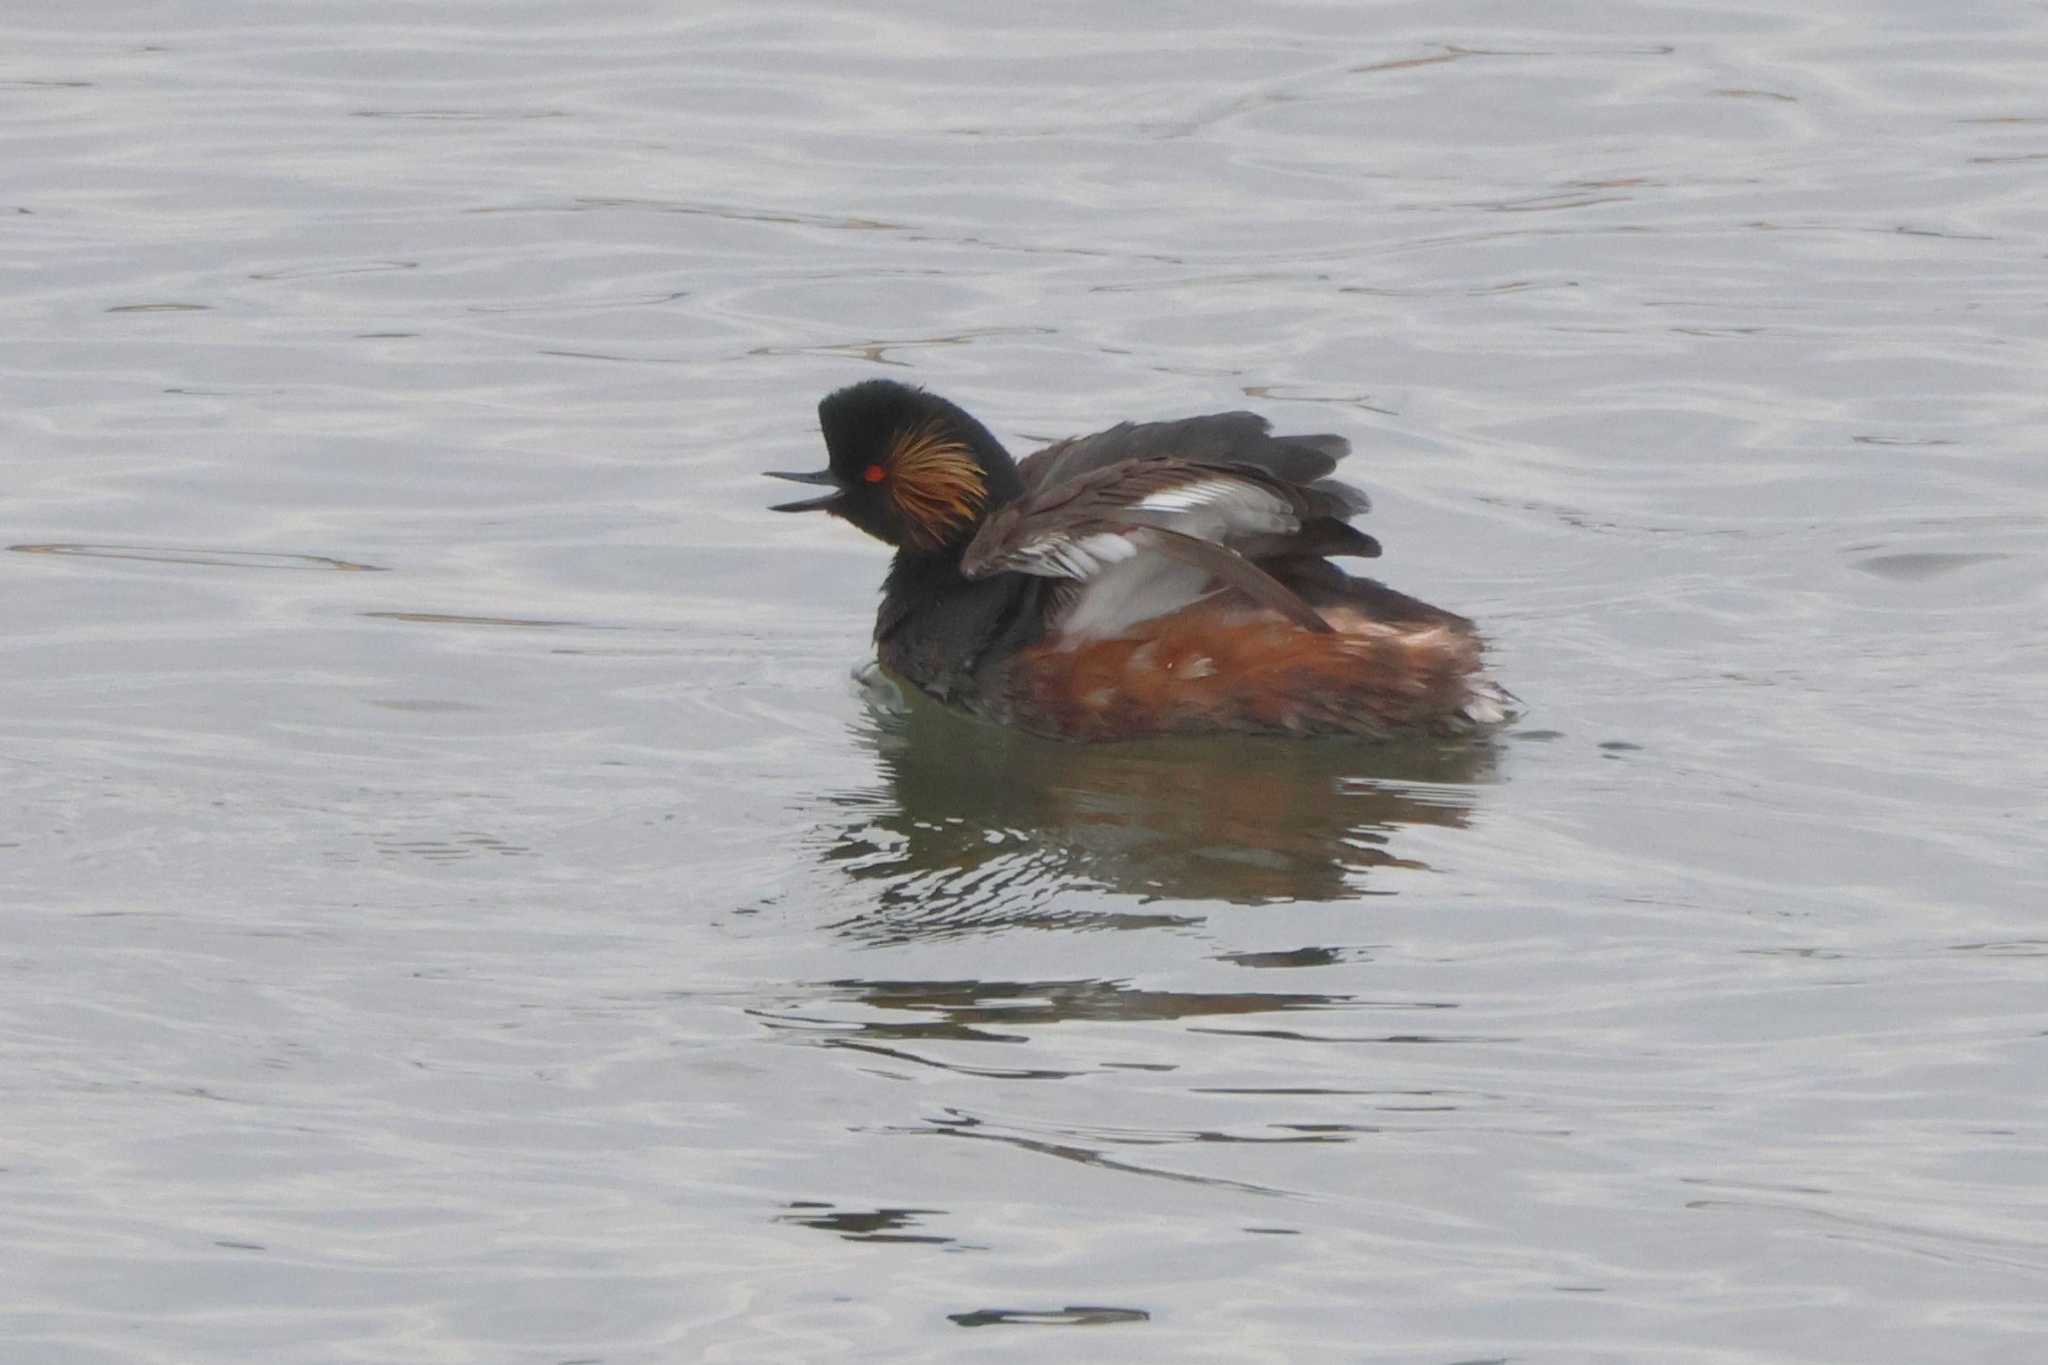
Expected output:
(1068, 556)
(1136, 590)
(1217, 508)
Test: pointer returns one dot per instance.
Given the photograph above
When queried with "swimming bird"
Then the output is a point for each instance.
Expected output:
(1154, 578)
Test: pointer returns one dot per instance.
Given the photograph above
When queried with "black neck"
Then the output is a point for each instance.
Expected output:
(926, 570)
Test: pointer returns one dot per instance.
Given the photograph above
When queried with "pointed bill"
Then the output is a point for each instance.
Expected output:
(821, 476)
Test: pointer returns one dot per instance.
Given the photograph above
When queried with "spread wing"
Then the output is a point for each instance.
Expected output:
(1147, 536)
(1223, 438)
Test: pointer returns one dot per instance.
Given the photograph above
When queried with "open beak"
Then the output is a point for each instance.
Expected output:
(823, 476)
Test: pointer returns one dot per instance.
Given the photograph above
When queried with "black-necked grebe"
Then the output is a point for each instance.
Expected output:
(1152, 579)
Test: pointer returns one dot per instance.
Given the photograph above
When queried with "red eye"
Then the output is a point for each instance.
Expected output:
(874, 473)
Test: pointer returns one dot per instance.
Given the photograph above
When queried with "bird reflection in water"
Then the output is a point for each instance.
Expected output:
(973, 827)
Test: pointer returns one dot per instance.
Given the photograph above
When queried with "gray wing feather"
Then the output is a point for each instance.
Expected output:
(1223, 438)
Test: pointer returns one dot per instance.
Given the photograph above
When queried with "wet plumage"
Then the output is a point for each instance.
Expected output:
(1154, 578)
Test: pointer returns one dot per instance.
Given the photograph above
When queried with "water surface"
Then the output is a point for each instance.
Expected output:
(459, 905)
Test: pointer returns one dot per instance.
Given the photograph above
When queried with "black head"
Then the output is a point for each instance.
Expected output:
(907, 466)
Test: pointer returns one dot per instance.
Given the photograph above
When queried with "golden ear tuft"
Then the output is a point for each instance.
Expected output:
(936, 484)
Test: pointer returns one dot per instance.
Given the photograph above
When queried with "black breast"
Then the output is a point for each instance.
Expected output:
(939, 630)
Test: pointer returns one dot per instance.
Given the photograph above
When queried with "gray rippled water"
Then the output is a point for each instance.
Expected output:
(456, 903)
